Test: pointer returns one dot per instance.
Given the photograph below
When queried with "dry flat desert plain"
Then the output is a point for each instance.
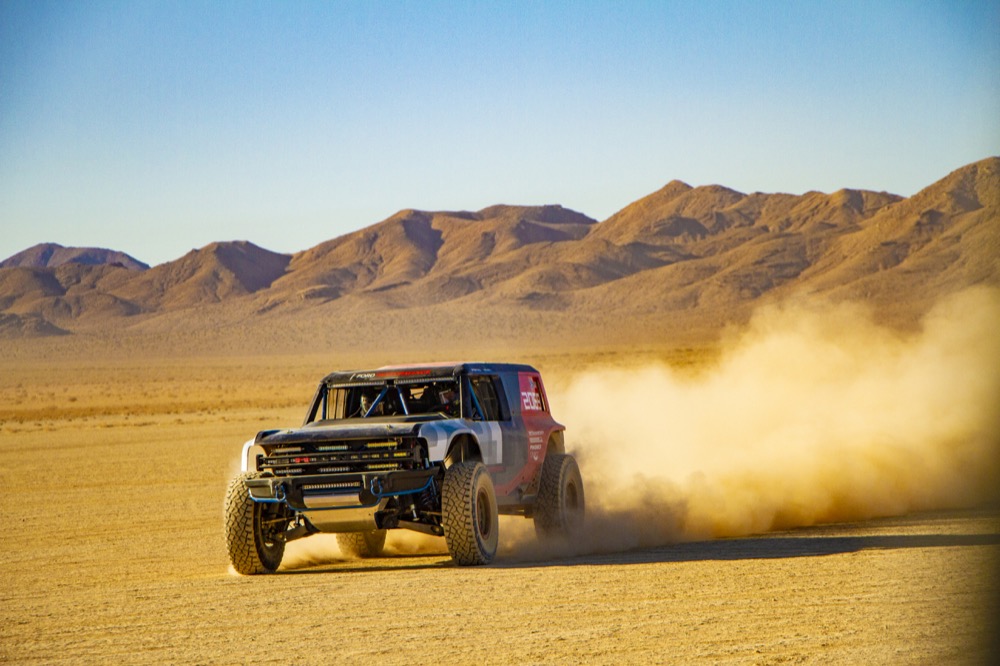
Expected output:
(113, 473)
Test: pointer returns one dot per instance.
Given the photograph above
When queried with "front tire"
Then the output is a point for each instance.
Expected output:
(559, 508)
(362, 544)
(252, 530)
(469, 514)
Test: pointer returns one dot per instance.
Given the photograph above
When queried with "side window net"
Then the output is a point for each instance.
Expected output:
(487, 398)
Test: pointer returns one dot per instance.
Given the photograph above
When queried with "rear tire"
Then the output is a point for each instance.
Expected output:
(251, 528)
(559, 508)
(469, 514)
(362, 544)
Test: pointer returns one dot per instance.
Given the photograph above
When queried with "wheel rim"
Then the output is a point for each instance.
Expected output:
(572, 497)
(267, 527)
(484, 514)
(572, 506)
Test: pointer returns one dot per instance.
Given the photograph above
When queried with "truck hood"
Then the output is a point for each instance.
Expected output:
(323, 431)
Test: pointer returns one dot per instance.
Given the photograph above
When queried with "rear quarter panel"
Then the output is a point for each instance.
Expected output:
(533, 428)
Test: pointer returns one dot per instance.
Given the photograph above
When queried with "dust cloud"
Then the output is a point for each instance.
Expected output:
(813, 414)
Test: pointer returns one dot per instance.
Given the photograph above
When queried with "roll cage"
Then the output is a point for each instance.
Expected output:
(471, 396)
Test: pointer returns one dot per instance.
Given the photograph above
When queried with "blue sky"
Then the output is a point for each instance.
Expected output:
(158, 127)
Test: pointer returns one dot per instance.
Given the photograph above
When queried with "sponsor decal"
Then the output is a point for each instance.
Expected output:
(530, 401)
(535, 451)
(531, 393)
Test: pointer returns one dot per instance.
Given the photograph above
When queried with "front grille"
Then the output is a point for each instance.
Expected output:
(344, 457)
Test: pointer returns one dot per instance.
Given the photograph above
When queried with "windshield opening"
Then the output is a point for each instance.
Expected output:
(369, 401)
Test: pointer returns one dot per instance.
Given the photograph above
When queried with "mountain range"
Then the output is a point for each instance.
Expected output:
(51, 255)
(683, 261)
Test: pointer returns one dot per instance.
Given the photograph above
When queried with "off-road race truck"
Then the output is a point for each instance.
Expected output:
(441, 449)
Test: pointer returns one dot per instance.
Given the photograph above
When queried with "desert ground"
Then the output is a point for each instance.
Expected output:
(113, 475)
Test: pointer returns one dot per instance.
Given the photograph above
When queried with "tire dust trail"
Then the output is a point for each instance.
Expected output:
(814, 414)
(113, 544)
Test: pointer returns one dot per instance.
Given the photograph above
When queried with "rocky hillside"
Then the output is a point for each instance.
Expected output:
(52, 255)
(697, 256)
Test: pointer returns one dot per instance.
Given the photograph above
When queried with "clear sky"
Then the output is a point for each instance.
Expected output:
(157, 127)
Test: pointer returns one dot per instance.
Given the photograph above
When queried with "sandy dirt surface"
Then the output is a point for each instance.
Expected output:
(113, 552)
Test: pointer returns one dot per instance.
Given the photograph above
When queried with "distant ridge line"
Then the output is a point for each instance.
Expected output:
(694, 257)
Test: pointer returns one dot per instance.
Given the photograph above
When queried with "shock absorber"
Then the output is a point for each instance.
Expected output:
(428, 497)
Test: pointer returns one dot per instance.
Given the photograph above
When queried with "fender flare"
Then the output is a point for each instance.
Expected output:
(557, 442)
(463, 447)
(248, 455)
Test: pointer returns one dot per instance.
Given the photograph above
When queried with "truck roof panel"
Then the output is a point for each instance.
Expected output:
(429, 371)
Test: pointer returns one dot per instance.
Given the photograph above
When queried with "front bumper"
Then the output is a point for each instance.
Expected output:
(321, 492)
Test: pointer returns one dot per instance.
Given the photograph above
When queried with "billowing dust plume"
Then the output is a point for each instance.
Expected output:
(813, 414)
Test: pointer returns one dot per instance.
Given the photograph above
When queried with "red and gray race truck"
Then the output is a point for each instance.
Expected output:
(441, 449)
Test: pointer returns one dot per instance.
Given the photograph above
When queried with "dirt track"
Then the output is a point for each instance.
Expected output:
(119, 557)
(112, 552)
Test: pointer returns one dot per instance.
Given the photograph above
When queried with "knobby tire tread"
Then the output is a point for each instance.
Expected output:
(240, 533)
(551, 518)
(459, 515)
